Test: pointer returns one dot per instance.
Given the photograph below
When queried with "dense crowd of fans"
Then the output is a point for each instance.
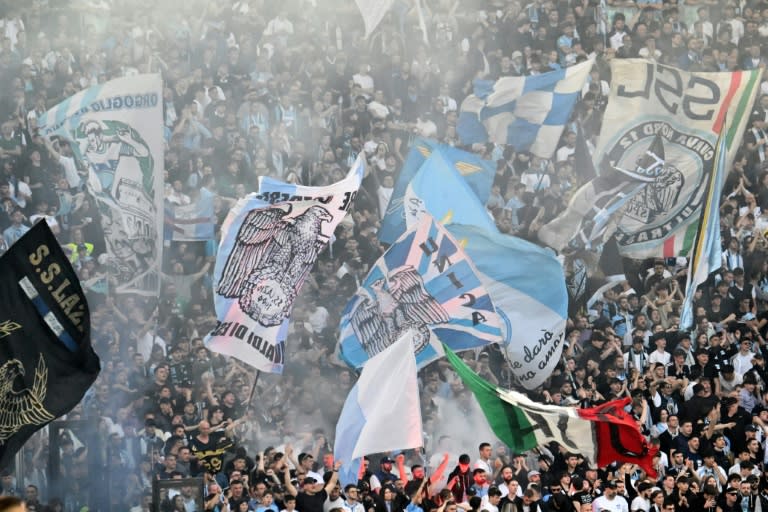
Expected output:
(292, 90)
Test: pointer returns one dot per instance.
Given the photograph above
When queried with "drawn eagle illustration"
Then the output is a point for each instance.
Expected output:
(399, 303)
(271, 257)
(664, 182)
(24, 407)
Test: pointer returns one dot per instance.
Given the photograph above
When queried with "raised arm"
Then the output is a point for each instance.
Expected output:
(334, 477)
(438, 474)
(288, 485)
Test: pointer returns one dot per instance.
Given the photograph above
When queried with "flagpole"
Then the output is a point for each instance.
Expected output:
(253, 391)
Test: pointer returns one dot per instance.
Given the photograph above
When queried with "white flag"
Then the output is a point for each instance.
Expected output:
(373, 11)
(116, 130)
(382, 411)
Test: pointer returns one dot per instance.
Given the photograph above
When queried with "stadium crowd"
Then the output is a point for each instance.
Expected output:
(292, 90)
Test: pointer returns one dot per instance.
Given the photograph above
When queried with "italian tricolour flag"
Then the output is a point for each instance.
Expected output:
(602, 434)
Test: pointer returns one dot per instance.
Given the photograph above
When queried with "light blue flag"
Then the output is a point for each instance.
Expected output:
(424, 286)
(527, 286)
(440, 191)
(706, 254)
(527, 112)
(191, 222)
(478, 174)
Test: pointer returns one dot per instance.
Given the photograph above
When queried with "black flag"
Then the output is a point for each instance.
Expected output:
(583, 165)
(46, 359)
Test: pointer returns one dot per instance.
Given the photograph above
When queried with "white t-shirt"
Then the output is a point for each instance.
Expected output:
(640, 503)
(49, 219)
(364, 81)
(484, 465)
(659, 357)
(617, 504)
(742, 363)
(70, 171)
(535, 182)
(486, 505)
(563, 153)
(329, 504)
(145, 344)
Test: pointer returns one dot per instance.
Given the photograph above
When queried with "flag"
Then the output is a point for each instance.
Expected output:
(527, 286)
(382, 412)
(191, 222)
(659, 133)
(373, 11)
(602, 434)
(46, 360)
(439, 190)
(527, 112)
(706, 254)
(593, 213)
(265, 255)
(477, 172)
(583, 165)
(424, 285)
(273, 190)
(116, 130)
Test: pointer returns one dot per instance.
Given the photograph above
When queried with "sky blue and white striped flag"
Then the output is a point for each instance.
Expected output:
(478, 174)
(424, 285)
(706, 254)
(527, 112)
(527, 286)
(382, 412)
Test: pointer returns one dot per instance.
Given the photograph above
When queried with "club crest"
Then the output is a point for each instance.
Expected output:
(272, 255)
(394, 306)
(673, 165)
(22, 407)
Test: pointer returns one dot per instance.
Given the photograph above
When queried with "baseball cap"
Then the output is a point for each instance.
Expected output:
(309, 480)
(386, 460)
(517, 54)
(611, 484)
(533, 473)
(751, 428)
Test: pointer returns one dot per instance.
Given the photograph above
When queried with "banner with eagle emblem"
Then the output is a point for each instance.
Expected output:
(46, 359)
(266, 253)
(424, 286)
(655, 153)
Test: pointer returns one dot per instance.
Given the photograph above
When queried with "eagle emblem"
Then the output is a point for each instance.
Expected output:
(22, 407)
(396, 305)
(272, 255)
(664, 184)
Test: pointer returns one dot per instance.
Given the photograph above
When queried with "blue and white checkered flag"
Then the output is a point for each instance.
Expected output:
(526, 112)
